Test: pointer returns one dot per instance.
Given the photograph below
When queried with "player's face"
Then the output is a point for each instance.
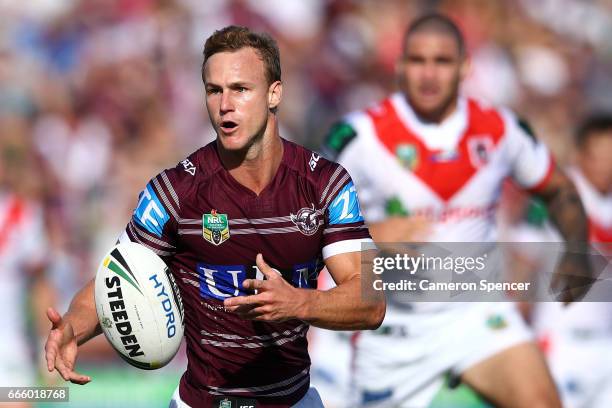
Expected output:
(238, 97)
(430, 73)
(595, 162)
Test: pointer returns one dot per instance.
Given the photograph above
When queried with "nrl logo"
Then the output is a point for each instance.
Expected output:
(307, 220)
(225, 403)
(215, 227)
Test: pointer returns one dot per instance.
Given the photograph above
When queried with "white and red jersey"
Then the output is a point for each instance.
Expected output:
(22, 246)
(598, 207)
(451, 172)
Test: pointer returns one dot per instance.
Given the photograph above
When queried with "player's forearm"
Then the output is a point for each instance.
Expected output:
(400, 229)
(567, 212)
(342, 308)
(388, 230)
(82, 314)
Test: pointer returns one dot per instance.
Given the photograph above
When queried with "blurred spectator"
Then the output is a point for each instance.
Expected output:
(25, 290)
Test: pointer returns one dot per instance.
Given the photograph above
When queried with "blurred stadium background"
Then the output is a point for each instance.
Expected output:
(98, 95)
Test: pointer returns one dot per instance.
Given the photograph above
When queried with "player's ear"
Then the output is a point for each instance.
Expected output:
(275, 94)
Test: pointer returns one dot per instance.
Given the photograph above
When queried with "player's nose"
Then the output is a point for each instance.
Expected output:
(227, 104)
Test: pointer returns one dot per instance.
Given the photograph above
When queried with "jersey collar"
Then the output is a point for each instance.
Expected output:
(443, 136)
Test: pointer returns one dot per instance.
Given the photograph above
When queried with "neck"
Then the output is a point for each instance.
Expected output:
(255, 166)
(439, 115)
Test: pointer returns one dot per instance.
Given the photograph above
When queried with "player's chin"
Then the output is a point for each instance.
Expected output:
(232, 142)
(429, 103)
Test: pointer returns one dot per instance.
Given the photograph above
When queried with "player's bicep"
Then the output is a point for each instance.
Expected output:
(344, 266)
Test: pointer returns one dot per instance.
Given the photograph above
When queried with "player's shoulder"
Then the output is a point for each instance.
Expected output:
(311, 165)
(195, 168)
(177, 184)
(485, 116)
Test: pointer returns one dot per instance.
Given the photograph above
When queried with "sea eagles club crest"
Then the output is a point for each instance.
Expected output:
(307, 220)
(215, 227)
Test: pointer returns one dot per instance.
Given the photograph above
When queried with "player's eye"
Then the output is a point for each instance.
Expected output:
(213, 91)
(241, 89)
(415, 60)
(444, 60)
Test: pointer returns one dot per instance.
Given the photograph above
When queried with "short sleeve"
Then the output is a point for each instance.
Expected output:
(531, 161)
(155, 218)
(345, 229)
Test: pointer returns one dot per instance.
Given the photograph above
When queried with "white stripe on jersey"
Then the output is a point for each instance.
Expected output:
(329, 183)
(171, 189)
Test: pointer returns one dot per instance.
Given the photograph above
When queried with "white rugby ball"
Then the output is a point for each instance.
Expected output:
(139, 306)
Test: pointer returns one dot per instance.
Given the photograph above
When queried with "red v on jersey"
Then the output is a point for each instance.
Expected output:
(445, 173)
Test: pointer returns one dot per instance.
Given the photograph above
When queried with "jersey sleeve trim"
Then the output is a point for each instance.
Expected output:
(342, 229)
(538, 187)
(346, 246)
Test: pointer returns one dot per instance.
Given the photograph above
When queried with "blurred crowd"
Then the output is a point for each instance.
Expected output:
(96, 96)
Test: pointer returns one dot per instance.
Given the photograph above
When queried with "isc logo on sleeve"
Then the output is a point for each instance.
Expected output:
(345, 208)
(150, 213)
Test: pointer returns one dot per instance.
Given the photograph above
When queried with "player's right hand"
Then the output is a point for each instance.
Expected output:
(61, 349)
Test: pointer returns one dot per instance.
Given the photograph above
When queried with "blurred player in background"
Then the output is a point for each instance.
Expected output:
(24, 288)
(577, 339)
(428, 152)
(246, 206)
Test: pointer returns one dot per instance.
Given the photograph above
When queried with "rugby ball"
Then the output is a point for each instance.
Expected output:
(139, 306)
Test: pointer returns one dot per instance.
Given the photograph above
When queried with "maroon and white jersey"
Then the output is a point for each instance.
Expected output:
(451, 173)
(208, 228)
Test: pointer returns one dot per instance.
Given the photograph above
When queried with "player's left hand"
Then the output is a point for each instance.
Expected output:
(276, 300)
